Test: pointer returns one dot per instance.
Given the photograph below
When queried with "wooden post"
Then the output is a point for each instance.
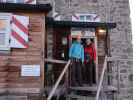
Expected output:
(96, 67)
(43, 53)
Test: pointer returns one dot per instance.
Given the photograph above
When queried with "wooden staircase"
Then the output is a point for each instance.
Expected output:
(101, 91)
(88, 92)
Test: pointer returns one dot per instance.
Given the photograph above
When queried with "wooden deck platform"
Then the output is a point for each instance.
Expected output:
(80, 97)
(94, 88)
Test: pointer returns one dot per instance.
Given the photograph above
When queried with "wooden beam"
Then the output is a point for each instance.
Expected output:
(55, 61)
(101, 79)
(58, 81)
(43, 51)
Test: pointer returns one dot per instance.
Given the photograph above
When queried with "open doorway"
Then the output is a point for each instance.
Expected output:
(88, 34)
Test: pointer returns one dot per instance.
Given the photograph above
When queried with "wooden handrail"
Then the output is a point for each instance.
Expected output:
(58, 81)
(101, 78)
(55, 61)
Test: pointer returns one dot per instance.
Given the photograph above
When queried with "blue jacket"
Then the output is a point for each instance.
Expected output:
(76, 51)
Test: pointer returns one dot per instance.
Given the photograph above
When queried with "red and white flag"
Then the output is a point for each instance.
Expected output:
(19, 34)
(30, 1)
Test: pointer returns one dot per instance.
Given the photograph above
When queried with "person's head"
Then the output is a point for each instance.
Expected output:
(78, 38)
(89, 41)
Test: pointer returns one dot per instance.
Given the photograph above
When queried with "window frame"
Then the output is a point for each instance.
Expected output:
(6, 16)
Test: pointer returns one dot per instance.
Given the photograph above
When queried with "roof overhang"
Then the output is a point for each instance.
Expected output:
(17, 7)
(51, 22)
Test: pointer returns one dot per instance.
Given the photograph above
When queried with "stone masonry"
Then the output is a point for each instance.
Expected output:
(120, 37)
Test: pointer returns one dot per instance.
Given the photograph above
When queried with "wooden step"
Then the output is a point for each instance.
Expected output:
(79, 97)
(60, 90)
(94, 88)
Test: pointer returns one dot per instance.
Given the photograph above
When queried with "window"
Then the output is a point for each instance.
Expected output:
(82, 18)
(5, 30)
(85, 17)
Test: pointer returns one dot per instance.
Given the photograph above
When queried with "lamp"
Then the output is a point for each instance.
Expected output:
(101, 31)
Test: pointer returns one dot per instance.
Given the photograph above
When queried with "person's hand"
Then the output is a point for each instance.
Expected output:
(94, 62)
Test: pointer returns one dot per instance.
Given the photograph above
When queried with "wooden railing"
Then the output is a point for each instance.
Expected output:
(59, 79)
(55, 61)
(101, 79)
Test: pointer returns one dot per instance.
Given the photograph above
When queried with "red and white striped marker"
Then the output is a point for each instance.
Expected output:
(30, 1)
(19, 34)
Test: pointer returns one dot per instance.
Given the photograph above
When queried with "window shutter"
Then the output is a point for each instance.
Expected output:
(75, 17)
(20, 1)
(57, 16)
(19, 34)
(4, 30)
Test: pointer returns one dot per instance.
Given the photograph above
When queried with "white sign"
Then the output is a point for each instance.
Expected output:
(75, 33)
(83, 32)
(30, 70)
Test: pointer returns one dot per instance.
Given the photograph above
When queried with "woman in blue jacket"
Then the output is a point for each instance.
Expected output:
(76, 54)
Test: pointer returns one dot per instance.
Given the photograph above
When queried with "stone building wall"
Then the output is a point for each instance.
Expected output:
(120, 37)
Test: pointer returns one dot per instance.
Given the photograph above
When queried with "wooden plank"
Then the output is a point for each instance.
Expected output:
(3, 74)
(23, 90)
(74, 96)
(55, 61)
(13, 69)
(3, 80)
(94, 88)
(24, 53)
(23, 80)
(20, 63)
(24, 58)
(43, 51)
(3, 85)
(3, 90)
(3, 68)
(22, 85)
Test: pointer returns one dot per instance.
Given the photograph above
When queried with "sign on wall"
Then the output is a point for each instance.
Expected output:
(30, 70)
(85, 17)
(88, 32)
(76, 33)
